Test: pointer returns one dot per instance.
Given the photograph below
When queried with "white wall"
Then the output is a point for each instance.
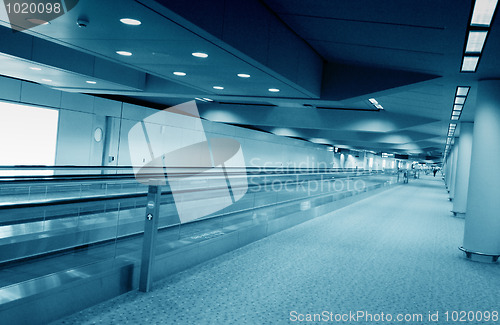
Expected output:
(259, 148)
(80, 115)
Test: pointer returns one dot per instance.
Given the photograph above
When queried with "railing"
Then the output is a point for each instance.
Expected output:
(89, 218)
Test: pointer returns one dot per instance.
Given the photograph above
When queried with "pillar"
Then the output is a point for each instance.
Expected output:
(447, 174)
(463, 169)
(482, 219)
(453, 168)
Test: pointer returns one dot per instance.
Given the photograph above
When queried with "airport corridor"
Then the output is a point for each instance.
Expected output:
(394, 253)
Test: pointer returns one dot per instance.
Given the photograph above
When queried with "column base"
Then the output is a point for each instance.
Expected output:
(460, 215)
(479, 257)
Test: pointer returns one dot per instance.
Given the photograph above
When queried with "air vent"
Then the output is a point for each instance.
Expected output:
(248, 104)
(299, 138)
(349, 109)
(250, 127)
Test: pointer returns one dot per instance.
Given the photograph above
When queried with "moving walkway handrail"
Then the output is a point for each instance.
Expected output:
(103, 177)
(194, 170)
(109, 197)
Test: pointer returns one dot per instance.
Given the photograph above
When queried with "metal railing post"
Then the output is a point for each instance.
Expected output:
(149, 242)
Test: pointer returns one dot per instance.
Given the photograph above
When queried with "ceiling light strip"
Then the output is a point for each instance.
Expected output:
(483, 13)
(477, 33)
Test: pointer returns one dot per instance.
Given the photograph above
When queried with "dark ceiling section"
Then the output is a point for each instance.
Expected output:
(406, 35)
(342, 81)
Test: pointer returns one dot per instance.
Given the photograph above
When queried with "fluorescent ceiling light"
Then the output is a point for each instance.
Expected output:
(452, 125)
(124, 53)
(455, 113)
(470, 63)
(457, 107)
(462, 91)
(47, 80)
(130, 21)
(475, 41)
(483, 12)
(91, 82)
(459, 100)
(373, 101)
(274, 90)
(243, 75)
(36, 68)
(201, 100)
(379, 106)
(179, 73)
(218, 87)
(200, 55)
(208, 99)
(454, 118)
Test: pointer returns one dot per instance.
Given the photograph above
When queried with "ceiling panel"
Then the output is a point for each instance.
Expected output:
(406, 54)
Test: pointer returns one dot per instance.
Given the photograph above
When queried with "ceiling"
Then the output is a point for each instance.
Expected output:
(326, 57)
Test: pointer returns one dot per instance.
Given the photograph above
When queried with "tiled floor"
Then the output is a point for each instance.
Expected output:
(393, 253)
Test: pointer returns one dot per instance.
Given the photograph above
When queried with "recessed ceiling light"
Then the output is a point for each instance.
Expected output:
(37, 21)
(200, 54)
(47, 80)
(218, 87)
(274, 90)
(379, 106)
(457, 107)
(459, 100)
(470, 63)
(456, 113)
(483, 12)
(475, 41)
(91, 82)
(124, 53)
(36, 68)
(208, 99)
(243, 75)
(454, 118)
(130, 21)
(179, 73)
(462, 91)
(373, 101)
